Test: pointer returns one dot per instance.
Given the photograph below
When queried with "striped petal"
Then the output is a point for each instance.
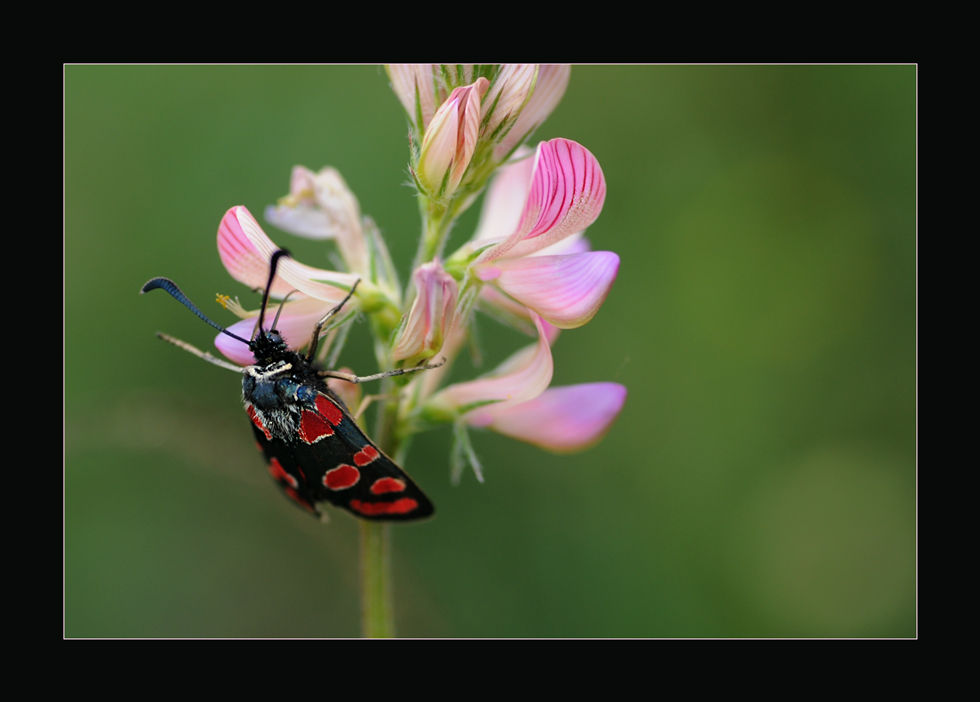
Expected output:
(565, 290)
(562, 419)
(522, 377)
(245, 251)
(567, 191)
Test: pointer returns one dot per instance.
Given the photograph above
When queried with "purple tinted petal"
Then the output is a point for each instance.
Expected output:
(561, 419)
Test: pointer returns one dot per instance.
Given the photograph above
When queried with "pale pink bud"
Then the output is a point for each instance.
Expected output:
(432, 315)
(450, 140)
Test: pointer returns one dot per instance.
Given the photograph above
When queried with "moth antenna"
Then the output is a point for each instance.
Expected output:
(171, 287)
(273, 264)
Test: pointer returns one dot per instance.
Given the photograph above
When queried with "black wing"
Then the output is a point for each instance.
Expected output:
(331, 460)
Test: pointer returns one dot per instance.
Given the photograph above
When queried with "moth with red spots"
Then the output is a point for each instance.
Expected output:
(315, 450)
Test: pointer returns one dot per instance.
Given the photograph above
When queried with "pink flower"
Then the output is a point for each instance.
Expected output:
(321, 206)
(531, 209)
(515, 400)
(522, 377)
(245, 251)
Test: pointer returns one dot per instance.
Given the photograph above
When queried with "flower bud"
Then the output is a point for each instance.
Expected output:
(549, 88)
(432, 316)
(450, 140)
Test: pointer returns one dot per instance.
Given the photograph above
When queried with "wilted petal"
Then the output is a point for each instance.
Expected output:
(321, 206)
(246, 251)
(565, 290)
(566, 196)
(561, 419)
(523, 376)
(302, 220)
(548, 92)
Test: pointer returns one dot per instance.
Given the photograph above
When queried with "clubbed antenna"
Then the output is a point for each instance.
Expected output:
(171, 287)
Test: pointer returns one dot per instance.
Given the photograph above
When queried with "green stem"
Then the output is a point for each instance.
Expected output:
(377, 604)
(377, 608)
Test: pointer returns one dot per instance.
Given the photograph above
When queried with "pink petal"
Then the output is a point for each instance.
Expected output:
(505, 200)
(302, 220)
(522, 377)
(246, 250)
(295, 328)
(561, 419)
(566, 196)
(489, 295)
(565, 290)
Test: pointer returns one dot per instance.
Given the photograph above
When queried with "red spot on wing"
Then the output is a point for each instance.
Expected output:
(365, 455)
(318, 424)
(383, 485)
(374, 509)
(257, 422)
(279, 473)
(313, 427)
(341, 477)
(329, 410)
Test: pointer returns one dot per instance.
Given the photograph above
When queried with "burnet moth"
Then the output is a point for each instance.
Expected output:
(314, 448)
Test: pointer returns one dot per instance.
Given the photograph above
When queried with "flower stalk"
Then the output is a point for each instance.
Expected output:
(528, 264)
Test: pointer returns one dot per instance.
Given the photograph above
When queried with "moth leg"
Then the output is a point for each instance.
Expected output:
(351, 378)
(200, 354)
(315, 339)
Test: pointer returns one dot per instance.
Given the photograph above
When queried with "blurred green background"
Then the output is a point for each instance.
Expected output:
(761, 480)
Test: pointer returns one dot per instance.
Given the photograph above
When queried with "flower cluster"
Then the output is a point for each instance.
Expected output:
(528, 263)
